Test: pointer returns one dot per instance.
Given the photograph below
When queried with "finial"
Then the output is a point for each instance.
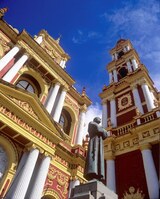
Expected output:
(3, 11)
(58, 40)
(83, 92)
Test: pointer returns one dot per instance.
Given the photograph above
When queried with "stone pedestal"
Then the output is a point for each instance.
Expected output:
(92, 190)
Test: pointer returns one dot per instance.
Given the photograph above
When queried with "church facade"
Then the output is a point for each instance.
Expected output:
(42, 117)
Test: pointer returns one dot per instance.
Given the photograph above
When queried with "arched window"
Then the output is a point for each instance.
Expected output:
(65, 121)
(122, 72)
(29, 84)
(3, 162)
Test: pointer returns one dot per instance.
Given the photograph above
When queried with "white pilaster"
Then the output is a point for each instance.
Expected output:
(150, 172)
(148, 97)
(58, 109)
(115, 75)
(8, 57)
(104, 114)
(111, 178)
(129, 66)
(110, 77)
(25, 175)
(52, 97)
(80, 132)
(72, 185)
(134, 63)
(116, 56)
(113, 112)
(15, 68)
(38, 185)
(137, 99)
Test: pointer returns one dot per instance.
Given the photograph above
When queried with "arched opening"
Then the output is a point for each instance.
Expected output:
(120, 54)
(122, 72)
(30, 84)
(65, 121)
(3, 162)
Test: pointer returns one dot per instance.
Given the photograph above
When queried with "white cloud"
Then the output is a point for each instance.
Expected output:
(139, 22)
(83, 36)
(93, 111)
(156, 80)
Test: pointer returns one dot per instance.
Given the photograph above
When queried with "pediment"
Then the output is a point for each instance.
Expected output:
(26, 105)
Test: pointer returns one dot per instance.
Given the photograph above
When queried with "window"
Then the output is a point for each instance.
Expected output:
(26, 86)
(28, 83)
(65, 121)
(3, 162)
(122, 72)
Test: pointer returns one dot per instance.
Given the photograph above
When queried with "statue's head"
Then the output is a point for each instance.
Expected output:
(97, 120)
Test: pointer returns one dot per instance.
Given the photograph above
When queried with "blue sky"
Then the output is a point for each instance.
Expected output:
(89, 29)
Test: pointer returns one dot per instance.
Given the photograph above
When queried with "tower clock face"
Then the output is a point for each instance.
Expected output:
(124, 102)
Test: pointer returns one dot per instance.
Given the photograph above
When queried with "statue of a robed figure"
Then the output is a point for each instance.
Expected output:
(94, 167)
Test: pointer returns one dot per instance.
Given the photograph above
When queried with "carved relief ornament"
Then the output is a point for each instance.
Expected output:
(124, 101)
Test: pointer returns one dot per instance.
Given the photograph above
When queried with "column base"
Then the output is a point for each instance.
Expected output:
(92, 190)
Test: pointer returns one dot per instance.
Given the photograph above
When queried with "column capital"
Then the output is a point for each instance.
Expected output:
(47, 154)
(56, 82)
(65, 88)
(29, 147)
(110, 98)
(142, 82)
(83, 108)
(133, 86)
(145, 146)
(104, 101)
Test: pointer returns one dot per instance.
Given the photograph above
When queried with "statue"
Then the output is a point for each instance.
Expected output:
(94, 168)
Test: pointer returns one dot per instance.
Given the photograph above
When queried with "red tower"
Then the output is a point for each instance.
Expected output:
(131, 114)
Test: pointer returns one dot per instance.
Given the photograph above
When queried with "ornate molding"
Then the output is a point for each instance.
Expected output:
(24, 125)
(4, 44)
(25, 106)
(132, 193)
(124, 102)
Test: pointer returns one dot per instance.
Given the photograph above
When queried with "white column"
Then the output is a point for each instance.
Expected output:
(115, 76)
(38, 185)
(112, 57)
(80, 132)
(58, 110)
(111, 178)
(72, 185)
(115, 55)
(25, 175)
(128, 48)
(8, 57)
(113, 112)
(110, 77)
(137, 99)
(148, 97)
(134, 63)
(150, 172)
(15, 68)
(39, 39)
(16, 177)
(52, 97)
(104, 114)
(129, 66)
(62, 63)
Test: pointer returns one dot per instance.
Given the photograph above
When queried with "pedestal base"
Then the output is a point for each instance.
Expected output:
(92, 190)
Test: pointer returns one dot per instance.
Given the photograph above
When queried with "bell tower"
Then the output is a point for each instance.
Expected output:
(130, 90)
(131, 115)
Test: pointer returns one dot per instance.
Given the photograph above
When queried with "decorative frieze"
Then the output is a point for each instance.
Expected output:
(26, 126)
